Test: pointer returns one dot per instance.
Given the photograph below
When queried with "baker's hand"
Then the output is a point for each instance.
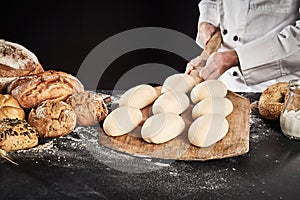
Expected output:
(195, 63)
(218, 63)
(206, 30)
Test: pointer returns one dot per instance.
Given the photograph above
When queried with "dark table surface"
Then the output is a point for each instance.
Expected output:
(77, 167)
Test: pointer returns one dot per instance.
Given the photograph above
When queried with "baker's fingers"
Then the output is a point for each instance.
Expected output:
(189, 68)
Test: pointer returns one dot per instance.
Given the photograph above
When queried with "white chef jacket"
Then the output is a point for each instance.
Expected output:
(265, 35)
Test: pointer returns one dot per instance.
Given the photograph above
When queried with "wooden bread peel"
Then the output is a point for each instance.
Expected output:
(212, 46)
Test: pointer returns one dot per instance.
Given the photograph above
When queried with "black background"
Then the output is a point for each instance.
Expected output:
(62, 33)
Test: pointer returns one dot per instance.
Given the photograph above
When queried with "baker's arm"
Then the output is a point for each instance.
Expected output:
(272, 56)
(209, 14)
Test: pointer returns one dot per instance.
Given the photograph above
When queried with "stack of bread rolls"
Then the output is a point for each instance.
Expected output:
(54, 100)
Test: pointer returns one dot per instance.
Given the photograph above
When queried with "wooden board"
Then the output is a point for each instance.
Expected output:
(235, 143)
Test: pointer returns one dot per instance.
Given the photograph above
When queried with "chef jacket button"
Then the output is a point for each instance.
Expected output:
(235, 38)
(225, 31)
(234, 73)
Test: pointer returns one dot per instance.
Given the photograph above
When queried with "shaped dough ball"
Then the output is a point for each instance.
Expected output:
(209, 88)
(212, 105)
(139, 96)
(207, 130)
(122, 120)
(162, 128)
(178, 83)
(171, 102)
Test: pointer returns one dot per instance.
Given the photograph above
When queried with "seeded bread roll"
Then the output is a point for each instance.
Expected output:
(89, 107)
(53, 119)
(16, 61)
(10, 108)
(17, 134)
(32, 90)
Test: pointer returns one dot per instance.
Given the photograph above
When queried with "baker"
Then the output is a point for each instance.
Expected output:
(261, 42)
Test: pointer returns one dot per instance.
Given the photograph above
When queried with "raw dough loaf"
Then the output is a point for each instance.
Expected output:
(30, 91)
(207, 130)
(178, 83)
(162, 128)
(10, 108)
(89, 107)
(212, 105)
(53, 119)
(17, 134)
(122, 120)
(209, 88)
(171, 102)
(139, 96)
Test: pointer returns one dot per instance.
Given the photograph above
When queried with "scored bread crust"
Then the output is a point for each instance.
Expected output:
(32, 90)
(53, 119)
(16, 61)
(271, 101)
(89, 107)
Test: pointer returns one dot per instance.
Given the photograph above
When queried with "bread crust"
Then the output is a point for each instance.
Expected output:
(89, 107)
(10, 108)
(271, 101)
(17, 134)
(30, 91)
(53, 119)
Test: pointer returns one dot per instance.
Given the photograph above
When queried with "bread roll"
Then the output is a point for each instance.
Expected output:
(162, 128)
(17, 134)
(212, 105)
(178, 83)
(89, 108)
(122, 120)
(138, 97)
(53, 119)
(207, 130)
(30, 91)
(171, 102)
(10, 108)
(209, 88)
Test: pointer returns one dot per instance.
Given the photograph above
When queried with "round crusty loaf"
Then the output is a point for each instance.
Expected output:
(89, 107)
(32, 90)
(17, 134)
(10, 108)
(53, 119)
(271, 101)
(16, 61)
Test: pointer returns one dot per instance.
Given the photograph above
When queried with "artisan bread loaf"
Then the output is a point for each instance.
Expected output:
(89, 107)
(122, 120)
(178, 83)
(162, 128)
(209, 88)
(171, 102)
(138, 97)
(207, 130)
(212, 105)
(17, 134)
(30, 91)
(10, 108)
(16, 61)
(53, 119)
